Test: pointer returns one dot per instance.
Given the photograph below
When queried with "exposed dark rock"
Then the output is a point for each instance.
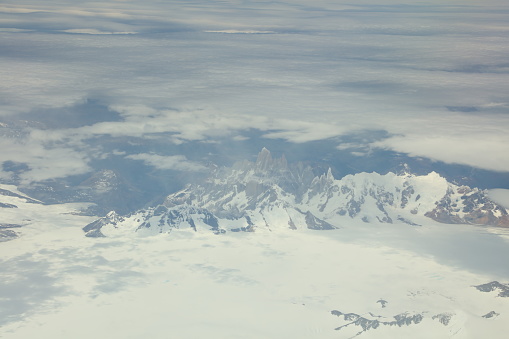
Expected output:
(366, 324)
(491, 314)
(4, 226)
(5, 205)
(160, 210)
(477, 209)
(7, 234)
(443, 318)
(405, 319)
(291, 224)
(406, 221)
(93, 230)
(503, 289)
(315, 223)
(12, 194)
(405, 195)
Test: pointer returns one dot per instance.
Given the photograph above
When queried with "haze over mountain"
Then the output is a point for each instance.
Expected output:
(271, 194)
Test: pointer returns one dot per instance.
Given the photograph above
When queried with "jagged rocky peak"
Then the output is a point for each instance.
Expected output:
(323, 181)
(502, 289)
(390, 197)
(103, 180)
(271, 194)
(257, 177)
(93, 230)
(465, 205)
(404, 169)
(265, 164)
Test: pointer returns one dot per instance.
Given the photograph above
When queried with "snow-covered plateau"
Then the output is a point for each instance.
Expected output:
(262, 250)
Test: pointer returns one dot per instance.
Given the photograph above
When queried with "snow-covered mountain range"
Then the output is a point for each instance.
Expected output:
(440, 281)
(269, 194)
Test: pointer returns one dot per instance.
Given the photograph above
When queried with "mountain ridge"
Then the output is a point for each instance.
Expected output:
(271, 194)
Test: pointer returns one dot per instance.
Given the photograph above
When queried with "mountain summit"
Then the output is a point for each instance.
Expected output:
(271, 194)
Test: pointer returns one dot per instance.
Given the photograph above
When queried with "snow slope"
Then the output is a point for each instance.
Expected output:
(59, 284)
(361, 280)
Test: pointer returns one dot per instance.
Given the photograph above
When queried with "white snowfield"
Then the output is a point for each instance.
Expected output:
(278, 283)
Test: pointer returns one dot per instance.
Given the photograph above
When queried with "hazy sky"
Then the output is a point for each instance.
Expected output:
(432, 74)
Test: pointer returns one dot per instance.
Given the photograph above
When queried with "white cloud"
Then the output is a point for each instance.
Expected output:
(92, 31)
(235, 31)
(43, 163)
(473, 140)
(335, 70)
(173, 162)
(477, 151)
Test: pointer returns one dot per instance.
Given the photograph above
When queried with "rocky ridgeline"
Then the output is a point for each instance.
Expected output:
(11, 200)
(370, 321)
(271, 194)
(502, 289)
(353, 319)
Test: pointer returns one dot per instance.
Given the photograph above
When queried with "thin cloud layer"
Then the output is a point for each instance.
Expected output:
(176, 162)
(43, 163)
(433, 76)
